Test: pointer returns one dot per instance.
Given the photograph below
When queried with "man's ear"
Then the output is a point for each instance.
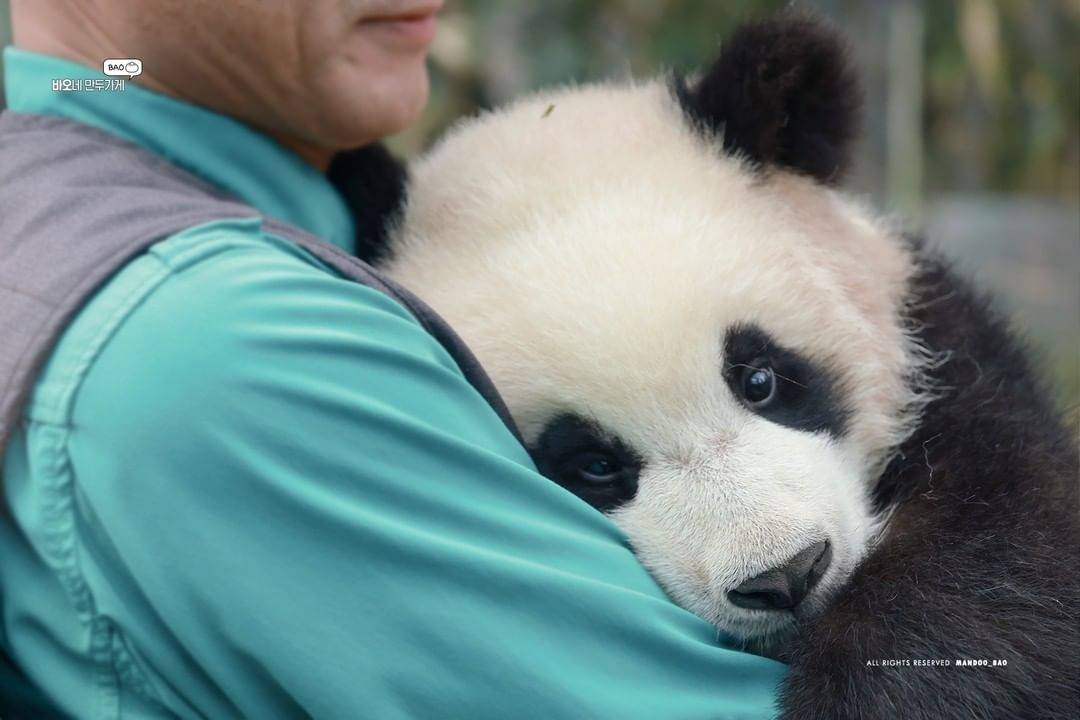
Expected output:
(782, 93)
(373, 183)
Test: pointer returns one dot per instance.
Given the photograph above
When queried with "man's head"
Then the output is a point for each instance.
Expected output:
(319, 75)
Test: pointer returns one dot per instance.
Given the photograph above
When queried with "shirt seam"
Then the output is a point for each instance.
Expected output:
(60, 543)
(96, 343)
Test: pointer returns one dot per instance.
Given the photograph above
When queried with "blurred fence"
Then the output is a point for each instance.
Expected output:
(1028, 250)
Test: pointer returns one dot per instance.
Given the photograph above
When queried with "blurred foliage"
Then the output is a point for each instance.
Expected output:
(1000, 82)
(1003, 95)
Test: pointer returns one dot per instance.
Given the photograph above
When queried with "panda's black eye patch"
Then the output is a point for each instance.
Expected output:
(593, 464)
(780, 384)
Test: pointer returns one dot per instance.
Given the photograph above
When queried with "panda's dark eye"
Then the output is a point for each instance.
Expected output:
(589, 461)
(782, 385)
(758, 385)
(597, 468)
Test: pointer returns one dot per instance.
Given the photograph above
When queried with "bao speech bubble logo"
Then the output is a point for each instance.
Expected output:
(124, 67)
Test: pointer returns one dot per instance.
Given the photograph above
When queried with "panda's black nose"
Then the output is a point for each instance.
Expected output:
(785, 586)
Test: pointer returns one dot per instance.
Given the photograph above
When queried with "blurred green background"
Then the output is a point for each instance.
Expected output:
(972, 131)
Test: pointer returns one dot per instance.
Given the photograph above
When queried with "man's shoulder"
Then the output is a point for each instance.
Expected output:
(217, 243)
(206, 296)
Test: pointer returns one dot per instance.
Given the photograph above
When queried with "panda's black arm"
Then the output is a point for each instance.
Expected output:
(373, 183)
(981, 559)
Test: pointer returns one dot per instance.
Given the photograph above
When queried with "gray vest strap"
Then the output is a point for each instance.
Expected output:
(77, 204)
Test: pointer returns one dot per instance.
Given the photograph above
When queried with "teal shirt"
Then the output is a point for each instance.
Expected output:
(247, 487)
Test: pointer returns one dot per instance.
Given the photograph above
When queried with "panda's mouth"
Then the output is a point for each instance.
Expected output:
(771, 638)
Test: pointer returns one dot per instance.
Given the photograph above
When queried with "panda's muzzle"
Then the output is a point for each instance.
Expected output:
(784, 587)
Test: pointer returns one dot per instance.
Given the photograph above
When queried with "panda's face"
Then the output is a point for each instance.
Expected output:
(711, 355)
(743, 497)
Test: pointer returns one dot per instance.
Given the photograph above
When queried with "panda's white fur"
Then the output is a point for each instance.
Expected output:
(597, 277)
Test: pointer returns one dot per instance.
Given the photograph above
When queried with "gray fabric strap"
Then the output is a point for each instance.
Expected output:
(76, 204)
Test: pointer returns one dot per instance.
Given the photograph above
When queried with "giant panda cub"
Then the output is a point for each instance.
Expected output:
(813, 433)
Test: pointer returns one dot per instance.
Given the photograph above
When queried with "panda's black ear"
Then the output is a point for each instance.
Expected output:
(783, 92)
(373, 183)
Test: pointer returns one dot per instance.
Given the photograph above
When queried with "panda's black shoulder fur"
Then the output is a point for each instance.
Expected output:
(981, 558)
(783, 92)
(373, 183)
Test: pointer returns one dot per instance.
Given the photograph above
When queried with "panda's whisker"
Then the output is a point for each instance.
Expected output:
(732, 366)
(790, 380)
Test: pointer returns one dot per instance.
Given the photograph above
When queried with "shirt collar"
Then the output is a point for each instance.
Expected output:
(221, 150)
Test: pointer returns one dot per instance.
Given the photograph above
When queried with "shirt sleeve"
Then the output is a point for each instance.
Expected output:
(292, 504)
